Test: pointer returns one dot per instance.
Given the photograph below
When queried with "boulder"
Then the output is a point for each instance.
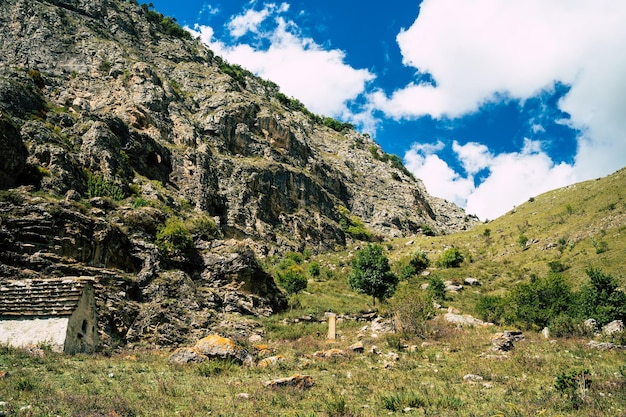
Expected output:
(271, 361)
(464, 320)
(215, 346)
(503, 342)
(296, 381)
(615, 326)
(185, 355)
(357, 347)
(330, 353)
(471, 282)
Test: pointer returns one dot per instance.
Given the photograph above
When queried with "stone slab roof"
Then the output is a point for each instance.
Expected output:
(41, 297)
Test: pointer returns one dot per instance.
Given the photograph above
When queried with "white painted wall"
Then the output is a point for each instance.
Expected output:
(22, 333)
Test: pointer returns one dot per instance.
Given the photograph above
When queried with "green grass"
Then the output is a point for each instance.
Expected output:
(429, 380)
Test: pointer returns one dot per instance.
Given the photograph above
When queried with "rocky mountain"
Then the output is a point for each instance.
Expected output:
(131, 153)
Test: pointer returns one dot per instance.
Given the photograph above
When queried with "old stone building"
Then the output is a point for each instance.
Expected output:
(60, 313)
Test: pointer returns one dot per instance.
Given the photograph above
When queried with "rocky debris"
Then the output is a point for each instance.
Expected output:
(330, 353)
(591, 325)
(261, 350)
(613, 327)
(216, 346)
(243, 396)
(472, 282)
(357, 347)
(271, 361)
(504, 342)
(296, 381)
(603, 345)
(472, 378)
(464, 320)
(452, 287)
(374, 350)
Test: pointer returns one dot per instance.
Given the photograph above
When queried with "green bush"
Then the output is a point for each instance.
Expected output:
(371, 273)
(535, 303)
(292, 280)
(450, 258)
(491, 308)
(600, 299)
(98, 186)
(437, 288)
(203, 227)
(354, 226)
(314, 269)
(174, 238)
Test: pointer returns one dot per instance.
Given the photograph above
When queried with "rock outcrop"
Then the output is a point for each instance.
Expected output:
(114, 121)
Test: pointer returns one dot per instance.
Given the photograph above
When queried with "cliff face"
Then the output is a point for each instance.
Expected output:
(112, 120)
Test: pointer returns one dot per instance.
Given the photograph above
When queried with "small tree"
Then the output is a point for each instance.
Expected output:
(371, 273)
(292, 280)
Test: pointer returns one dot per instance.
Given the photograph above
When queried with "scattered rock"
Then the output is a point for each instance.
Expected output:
(297, 381)
(357, 347)
(243, 396)
(464, 320)
(254, 338)
(591, 324)
(615, 326)
(503, 342)
(271, 361)
(472, 378)
(471, 281)
(261, 350)
(374, 350)
(546, 333)
(451, 287)
(392, 356)
(604, 345)
(330, 353)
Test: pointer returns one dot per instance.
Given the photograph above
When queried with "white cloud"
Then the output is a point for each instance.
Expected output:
(513, 177)
(480, 50)
(317, 77)
(438, 177)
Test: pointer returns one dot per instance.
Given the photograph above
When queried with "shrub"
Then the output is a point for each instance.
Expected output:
(174, 238)
(354, 226)
(314, 269)
(491, 308)
(98, 186)
(419, 261)
(535, 303)
(437, 288)
(203, 227)
(371, 273)
(292, 280)
(450, 258)
(600, 298)
(573, 385)
(411, 314)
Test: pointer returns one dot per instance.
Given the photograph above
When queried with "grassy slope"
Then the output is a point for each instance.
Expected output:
(430, 379)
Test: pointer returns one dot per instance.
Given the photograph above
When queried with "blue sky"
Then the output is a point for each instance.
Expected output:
(489, 102)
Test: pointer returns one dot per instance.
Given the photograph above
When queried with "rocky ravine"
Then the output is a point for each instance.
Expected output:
(111, 123)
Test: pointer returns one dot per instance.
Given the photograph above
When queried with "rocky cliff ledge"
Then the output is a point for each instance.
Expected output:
(117, 130)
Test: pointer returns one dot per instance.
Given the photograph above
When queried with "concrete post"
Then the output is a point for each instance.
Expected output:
(331, 326)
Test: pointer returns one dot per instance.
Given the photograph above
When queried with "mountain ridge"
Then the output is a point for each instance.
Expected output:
(137, 156)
